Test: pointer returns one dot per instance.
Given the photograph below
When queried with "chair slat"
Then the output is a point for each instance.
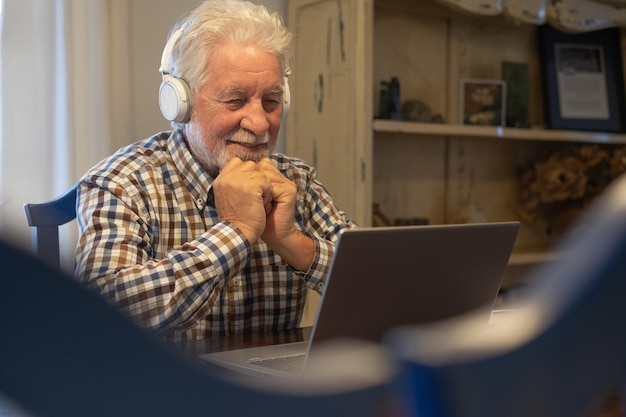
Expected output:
(45, 219)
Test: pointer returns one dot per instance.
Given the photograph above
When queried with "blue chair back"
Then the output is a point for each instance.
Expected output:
(45, 219)
(67, 352)
(559, 352)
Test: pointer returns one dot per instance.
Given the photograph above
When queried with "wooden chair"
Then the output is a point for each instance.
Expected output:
(560, 351)
(45, 219)
(67, 352)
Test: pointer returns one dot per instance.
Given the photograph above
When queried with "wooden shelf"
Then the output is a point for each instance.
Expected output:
(533, 134)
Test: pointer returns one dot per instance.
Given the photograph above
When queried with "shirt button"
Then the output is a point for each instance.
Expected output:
(200, 202)
(236, 282)
(320, 285)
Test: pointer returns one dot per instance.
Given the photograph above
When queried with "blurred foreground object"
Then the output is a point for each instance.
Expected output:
(559, 352)
(66, 352)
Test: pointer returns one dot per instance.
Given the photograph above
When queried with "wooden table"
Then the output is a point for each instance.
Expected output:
(240, 341)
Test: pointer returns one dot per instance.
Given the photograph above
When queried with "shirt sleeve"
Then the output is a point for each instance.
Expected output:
(318, 217)
(115, 257)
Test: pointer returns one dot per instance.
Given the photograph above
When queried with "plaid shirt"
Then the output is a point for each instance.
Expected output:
(152, 243)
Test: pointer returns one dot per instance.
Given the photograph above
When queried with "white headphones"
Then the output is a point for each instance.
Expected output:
(286, 96)
(174, 93)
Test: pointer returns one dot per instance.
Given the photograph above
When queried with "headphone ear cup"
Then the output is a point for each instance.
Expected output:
(286, 98)
(174, 99)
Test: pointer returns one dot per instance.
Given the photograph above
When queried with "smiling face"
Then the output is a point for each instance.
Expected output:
(238, 112)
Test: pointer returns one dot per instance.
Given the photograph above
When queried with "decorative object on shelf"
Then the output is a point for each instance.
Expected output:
(481, 7)
(515, 75)
(419, 111)
(573, 16)
(483, 102)
(389, 100)
(438, 118)
(526, 11)
(583, 80)
(414, 221)
(562, 179)
(616, 3)
(379, 218)
(576, 16)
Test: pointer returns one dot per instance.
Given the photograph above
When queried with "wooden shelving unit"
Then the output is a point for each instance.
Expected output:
(496, 132)
(345, 49)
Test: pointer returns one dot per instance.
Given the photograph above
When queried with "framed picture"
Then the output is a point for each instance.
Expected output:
(583, 81)
(483, 102)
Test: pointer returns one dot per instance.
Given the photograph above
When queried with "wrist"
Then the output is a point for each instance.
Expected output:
(250, 233)
(297, 249)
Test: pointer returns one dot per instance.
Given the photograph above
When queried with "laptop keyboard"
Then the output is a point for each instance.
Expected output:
(291, 363)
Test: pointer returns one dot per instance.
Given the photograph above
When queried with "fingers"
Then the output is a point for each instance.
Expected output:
(281, 187)
(267, 167)
(255, 197)
(242, 196)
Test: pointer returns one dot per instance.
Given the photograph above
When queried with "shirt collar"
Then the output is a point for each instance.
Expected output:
(198, 182)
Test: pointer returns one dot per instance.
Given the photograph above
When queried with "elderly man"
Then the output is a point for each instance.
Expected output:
(202, 230)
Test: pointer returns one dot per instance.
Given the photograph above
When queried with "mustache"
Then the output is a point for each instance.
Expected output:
(247, 137)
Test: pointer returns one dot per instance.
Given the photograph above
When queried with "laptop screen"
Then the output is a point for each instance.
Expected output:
(389, 276)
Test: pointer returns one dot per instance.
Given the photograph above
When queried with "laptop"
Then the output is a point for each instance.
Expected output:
(382, 277)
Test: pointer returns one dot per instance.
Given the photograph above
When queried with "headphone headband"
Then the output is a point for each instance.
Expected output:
(167, 51)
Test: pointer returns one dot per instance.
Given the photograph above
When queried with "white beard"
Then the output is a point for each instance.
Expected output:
(213, 160)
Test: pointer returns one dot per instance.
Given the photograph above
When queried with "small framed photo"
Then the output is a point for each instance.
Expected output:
(583, 80)
(483, 102)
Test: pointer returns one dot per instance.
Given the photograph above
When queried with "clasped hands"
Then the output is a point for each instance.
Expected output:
(256, 198)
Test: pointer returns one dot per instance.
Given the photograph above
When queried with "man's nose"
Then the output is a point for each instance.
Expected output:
(255, 119)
